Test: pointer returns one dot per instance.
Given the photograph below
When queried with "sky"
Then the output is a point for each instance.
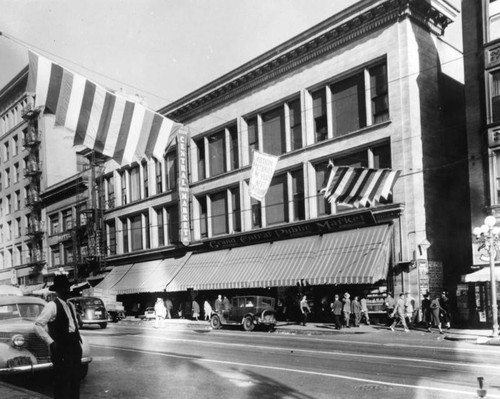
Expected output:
(160, 50)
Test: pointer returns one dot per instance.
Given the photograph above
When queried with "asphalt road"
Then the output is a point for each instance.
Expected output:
(138, 362)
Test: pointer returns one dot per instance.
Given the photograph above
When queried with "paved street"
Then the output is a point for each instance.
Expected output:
(368, 362)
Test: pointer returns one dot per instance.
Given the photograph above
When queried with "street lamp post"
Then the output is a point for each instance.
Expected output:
(488, 236)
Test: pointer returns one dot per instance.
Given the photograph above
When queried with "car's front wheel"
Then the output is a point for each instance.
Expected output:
(248, 324)
(215, 322)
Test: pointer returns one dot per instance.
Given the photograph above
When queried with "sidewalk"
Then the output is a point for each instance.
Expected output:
(8, 391)
(478, 336)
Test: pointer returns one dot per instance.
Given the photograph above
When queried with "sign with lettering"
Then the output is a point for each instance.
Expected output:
(183, 186)
(328, 225)
(263, 167)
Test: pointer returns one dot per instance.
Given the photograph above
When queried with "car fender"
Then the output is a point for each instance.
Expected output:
(85, 347)
(7, 352)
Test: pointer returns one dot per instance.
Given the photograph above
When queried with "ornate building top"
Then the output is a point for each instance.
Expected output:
(326, 37)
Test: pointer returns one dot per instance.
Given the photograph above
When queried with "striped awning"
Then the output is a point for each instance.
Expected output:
(162, 275)
(358, 256)
(135, 277)
(113, 277)
(197, 273)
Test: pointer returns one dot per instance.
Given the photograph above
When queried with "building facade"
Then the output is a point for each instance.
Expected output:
(481, 32)
(370, 87)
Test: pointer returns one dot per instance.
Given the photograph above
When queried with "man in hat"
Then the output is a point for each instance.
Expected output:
(63, 339)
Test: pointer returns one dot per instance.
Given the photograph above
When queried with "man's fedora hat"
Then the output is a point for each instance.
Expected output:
(60, 282)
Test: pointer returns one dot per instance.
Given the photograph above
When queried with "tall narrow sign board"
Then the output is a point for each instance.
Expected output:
(183, 186)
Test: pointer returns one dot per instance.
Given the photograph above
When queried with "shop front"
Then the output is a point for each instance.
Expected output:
(352, 253)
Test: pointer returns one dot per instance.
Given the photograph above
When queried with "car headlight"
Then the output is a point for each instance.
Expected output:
(18, 341)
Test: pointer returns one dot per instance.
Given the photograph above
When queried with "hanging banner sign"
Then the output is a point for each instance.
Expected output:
(183, 186)
(263, 167)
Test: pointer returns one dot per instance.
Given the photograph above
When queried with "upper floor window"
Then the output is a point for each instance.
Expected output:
(158, 177)
(54, 224)
(319, 115)
(123, 181)
(348, 105)
(111, 230)
(135, 184)
(217, 153)
(253, 137)
(273, 132)
(16, 173)
(295, 120)
(6, 151)
(171, 170)
(494, 20)
(110, 187)
(495, 96)
(220, 212)
(67, 218)
(145, 181)
(15, 146)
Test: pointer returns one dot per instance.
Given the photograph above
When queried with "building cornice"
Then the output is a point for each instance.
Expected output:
(324, 38)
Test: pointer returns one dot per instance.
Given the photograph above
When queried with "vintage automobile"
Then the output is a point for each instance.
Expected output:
(21, 350)
(149, 314)
(91, 310)
(247, 311)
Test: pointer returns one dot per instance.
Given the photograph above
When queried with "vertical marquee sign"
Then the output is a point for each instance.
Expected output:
(183, 186)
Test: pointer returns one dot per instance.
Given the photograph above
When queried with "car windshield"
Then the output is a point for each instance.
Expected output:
(28, 311)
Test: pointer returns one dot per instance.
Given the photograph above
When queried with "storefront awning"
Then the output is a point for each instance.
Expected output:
(481, 275)
(358, 256)
(113, 277)
(135, 277)
(197, 272)
(158, 278)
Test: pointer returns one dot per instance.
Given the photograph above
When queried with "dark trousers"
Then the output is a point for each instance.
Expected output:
(304, 318)
(67, 368)
(338, 321)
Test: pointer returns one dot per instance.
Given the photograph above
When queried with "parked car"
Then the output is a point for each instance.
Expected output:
(90, 310)
(21, 350)
(116, 315)
(149, 314)
(248, 312)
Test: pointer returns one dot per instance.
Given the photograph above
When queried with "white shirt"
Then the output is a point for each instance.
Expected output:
(49, 314)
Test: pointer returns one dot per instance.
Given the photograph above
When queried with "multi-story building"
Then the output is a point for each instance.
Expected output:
(37, 165)
(373, 87)
(481, 33)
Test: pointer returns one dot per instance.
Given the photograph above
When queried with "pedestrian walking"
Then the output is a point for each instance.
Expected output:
(426, 311)
(169, 305)
(63, 339)
(207, 309)
(218, 304)
(445, 315)
(356, 310)
(195, 307)
(305, 309)
(226, 306)
(160, 312)
(346, 309)
(409, 309)
(389, 305)
(399, 313)
(436, 310)
(364, 310)
(337, 312)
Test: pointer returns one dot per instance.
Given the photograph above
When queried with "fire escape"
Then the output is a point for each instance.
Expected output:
(33, 172)
(89, 246)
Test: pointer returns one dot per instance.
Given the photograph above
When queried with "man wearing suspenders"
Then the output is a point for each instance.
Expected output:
(63, 339)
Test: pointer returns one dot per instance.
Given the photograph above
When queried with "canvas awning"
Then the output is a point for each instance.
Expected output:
(113, 277)
(482, 275)
(358, 256)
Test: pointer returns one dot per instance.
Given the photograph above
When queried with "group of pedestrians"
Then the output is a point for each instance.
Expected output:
(435, 311)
